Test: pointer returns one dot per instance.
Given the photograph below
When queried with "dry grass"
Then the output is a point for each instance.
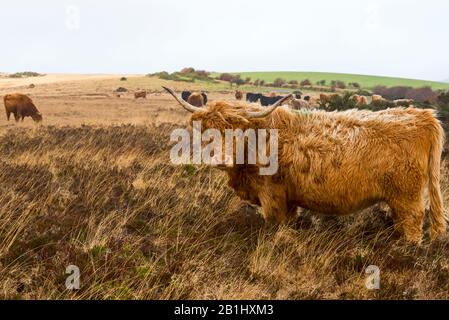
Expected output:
(106, 198)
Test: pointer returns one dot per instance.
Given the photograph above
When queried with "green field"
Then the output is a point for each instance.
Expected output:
(365, 81)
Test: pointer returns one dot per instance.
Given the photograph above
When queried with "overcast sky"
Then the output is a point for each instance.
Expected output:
(406, 38)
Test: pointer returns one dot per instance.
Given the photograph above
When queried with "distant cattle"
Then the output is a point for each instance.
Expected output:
(327, 98)
(253, 97)
(238, 95)
(140, 94)
(338, 163)
(21, 106)
(186, 94)
(376, 97)
(298, 104)
(196, 99)
(268, 101)
(360, 100)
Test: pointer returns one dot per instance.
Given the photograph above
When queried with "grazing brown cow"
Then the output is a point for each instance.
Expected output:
(238, 95)
(196, 99)
(376, 97)
(327, 98)
(338, 163)
(360, 100)
(298, 104)
(21, 106)
(140, 94)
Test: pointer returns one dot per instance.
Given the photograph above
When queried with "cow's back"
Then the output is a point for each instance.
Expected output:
(344, 161)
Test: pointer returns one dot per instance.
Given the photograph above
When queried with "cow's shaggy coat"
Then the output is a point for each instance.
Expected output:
(341, 162)
(196, 99)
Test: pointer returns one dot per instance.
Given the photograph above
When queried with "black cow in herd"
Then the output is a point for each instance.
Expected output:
(264, 100)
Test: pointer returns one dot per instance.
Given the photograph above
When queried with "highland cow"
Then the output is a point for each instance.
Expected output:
(238, 95)
(21, 106)
(339, 163)
(327, 98)
(196, 99)
(376, 97)
(298, 104)
(140, 94)
(359, 100)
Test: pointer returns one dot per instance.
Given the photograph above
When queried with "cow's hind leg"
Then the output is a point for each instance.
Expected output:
(16, 116)
(408, 216)
(8, 114)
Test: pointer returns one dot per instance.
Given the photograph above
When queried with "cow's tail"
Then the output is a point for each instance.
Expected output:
(437, 217)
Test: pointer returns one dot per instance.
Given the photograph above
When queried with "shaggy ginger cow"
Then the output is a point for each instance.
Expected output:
(298, 104)
(338, 163)
(327, 98)
(376, 97)
(359, 100)
(21, 106)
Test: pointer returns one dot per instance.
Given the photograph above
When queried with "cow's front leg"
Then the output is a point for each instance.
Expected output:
(274, 205)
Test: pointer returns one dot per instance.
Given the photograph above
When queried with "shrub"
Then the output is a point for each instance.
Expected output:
(25, 74)
(381, 105)
(294, 82)
(187, 70)
(226, 77)
(340, 84)
(305, 82)
(338, 102)
(247, 79)
(121, 89)
(393, 93)
(365, 93)
(425, 94)
(279, 82)
(123, 79)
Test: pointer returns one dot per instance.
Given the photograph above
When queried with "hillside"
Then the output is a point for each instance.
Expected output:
(364, 80)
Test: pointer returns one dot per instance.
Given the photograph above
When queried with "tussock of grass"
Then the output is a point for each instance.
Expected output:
(108, 200)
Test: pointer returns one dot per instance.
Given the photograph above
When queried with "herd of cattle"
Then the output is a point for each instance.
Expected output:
(329, 162)
(22, 106)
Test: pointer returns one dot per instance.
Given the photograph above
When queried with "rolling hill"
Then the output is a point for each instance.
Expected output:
(365, 81)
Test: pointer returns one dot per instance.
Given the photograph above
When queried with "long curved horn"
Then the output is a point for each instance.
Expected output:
(268, 110)
(183, 103)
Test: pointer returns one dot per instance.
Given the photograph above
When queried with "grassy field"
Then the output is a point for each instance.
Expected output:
(93, 186)
(364, 80)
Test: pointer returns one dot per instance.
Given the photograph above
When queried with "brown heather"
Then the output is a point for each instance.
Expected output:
(107, 199)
